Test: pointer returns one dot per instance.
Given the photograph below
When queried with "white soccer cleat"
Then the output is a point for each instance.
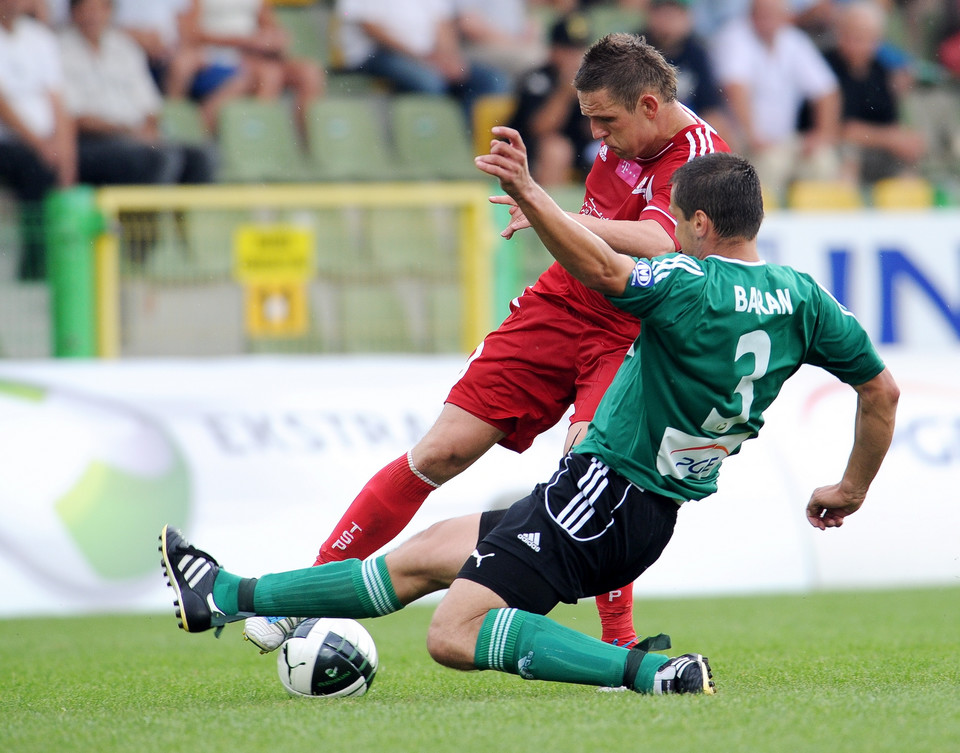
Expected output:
(269, 633)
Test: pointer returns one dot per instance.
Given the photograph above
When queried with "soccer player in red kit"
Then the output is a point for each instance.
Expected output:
(562, 343)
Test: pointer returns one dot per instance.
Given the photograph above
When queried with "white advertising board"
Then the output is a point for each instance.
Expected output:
(257, 458)
(899, 272)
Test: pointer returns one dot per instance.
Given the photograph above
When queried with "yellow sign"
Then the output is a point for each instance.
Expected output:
(276, 309)
(273, 253)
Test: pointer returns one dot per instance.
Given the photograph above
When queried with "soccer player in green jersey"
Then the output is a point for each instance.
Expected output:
(722, 331)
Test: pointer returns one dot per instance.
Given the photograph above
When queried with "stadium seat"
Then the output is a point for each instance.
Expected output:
(607, 18)
(180, 121)
(348, 140)
(338, 241)
(488, 111)
(445, 312)
(259, 143)
(431, 138)
(413, 243)
(373, 318)
(902, 193)
(817, 195)
(341, 83)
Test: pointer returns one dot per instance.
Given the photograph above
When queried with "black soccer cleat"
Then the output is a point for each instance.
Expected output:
(689, 673)
(191, 573)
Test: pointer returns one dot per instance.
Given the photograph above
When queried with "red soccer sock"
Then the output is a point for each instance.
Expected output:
(380, 511)
(616, 615)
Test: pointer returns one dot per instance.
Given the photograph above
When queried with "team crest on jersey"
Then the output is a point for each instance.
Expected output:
(642, 276)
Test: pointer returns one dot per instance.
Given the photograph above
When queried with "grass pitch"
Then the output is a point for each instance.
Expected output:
(857, 672)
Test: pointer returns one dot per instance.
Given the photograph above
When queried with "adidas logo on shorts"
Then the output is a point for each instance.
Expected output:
(532, 540)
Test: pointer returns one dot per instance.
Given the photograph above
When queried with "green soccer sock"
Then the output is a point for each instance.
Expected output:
(537, 648)
(352, 588)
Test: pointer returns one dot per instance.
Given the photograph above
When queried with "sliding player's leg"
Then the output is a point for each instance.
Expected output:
(209, 597)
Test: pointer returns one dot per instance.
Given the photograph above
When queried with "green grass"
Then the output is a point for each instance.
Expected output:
(857, 672)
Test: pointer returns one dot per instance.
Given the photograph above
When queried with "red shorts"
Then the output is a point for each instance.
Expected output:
(543, 358)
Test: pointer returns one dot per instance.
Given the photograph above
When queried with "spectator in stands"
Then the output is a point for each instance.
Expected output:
(53, 13)
(415, 46)
(116, 104)
(244, 38)
(37, 142)
(178, 64)
(711, 15)
(501, 34)
(155, 26)
(874, 143)
(669, 28)
(557, 135)
(768, 68)
(948, 46)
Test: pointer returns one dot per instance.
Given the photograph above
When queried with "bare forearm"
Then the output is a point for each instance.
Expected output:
(876, 414)
(579, 250)
(826, 116)
(876, 411)
(645, 238)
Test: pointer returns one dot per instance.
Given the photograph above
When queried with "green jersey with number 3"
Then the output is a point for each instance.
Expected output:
(719, 338)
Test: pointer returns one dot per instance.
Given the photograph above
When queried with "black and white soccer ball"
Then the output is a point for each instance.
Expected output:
(328, 658)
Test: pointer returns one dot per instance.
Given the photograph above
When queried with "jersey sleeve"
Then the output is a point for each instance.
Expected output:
(654, 279)
(840, 345)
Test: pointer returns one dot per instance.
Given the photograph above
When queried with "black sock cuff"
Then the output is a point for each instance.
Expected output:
(630, 669)
(245, 595)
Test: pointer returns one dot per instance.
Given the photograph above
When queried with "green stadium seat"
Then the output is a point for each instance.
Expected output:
(607, 18)
(259, 143)
(413, 243)
(373, 318)
(180, 121)
(338, 237)
(431, 138)
(348, 141)
(445, 312)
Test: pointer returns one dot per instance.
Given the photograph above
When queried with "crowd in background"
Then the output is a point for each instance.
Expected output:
(804, 88)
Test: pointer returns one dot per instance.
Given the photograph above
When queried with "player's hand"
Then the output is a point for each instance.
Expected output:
(829, 505)
(518, 220)
(507, 161)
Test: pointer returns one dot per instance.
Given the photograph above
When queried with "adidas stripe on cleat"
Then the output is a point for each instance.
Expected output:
(689, 673)
(190, 573)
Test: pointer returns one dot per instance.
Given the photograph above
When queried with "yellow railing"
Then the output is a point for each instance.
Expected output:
(475, 233)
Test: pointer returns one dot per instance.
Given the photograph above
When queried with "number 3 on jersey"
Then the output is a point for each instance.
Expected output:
(756, 343)
(684, 455)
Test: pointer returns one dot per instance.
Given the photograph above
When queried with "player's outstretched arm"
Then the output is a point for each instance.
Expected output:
(876, 413)
(583, 253)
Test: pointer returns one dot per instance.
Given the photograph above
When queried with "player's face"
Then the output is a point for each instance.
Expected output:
(627, 134)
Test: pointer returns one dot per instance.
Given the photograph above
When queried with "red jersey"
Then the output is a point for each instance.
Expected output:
(620, 189)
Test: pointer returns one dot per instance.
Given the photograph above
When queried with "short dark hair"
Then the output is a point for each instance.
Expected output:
(627, 67)
(726, 188)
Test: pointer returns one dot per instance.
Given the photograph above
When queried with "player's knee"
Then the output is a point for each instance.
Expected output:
(447, 645)
(448, 449)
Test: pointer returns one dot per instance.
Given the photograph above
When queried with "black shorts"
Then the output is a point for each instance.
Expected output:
(585, 532)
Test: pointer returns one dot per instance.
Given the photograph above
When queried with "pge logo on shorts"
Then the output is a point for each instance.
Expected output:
(642, 276)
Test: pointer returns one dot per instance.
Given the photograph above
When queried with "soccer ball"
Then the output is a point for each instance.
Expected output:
(328, 658)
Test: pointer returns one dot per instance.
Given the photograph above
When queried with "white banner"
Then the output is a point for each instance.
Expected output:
(257, 458)
(899, 272)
